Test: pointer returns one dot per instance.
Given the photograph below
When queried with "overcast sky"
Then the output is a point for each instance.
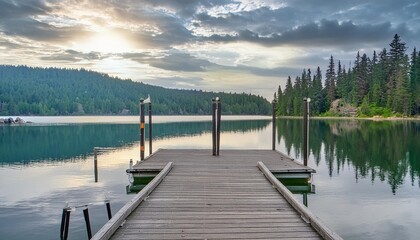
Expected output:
(221, 45)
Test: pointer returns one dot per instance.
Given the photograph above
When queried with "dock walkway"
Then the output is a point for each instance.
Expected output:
(223, 197)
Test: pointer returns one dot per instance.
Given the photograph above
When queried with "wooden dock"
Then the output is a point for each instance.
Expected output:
(231, 196)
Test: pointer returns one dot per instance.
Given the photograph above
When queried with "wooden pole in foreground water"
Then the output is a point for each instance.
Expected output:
(95, 163)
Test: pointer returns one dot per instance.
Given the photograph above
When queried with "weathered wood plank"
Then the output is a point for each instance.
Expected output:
(281, 235)
(115, 222)
(224, 197)
(315, 222)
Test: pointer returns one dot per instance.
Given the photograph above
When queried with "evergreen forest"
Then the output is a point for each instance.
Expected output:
(55, 91)
(386, 84)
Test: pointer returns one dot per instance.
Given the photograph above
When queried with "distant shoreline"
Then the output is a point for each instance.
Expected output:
(357, 118)
(129, 119)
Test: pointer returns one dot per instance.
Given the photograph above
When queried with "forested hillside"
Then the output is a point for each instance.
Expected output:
(53, 91)
(388, 84)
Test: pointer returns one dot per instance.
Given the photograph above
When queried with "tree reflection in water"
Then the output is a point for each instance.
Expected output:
(384, 150)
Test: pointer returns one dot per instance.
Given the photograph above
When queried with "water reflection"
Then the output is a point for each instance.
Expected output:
(384, 150)
(29, 144)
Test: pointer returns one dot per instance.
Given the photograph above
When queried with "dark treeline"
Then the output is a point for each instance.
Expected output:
(53, 91)
(386, 84)
(362, 144)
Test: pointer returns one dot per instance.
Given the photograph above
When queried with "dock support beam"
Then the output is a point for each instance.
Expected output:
(305, 130)
(274, 103)
(216, 120)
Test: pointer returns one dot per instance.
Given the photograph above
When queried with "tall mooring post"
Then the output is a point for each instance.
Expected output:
(150, 129)
(306, 102)
(142, 122)
(274, 103)
(216, 121)
(142, 129)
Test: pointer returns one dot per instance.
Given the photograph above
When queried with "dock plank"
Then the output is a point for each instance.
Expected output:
(223, 197)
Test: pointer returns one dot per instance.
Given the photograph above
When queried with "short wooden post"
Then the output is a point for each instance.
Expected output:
(274, 124)
(108, 209)
(95, 163)
(65, 222)
(87, 221)
(141, 129)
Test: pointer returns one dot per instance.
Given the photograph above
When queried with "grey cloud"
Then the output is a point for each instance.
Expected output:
(268, 72)
(324, 33)
(166, 30)
(17, 18)
(36, 30)
(15, 9)
(263, 20)
(304, 22)
(186, 8)
(173, 61)
(178, 82)
(72, 56)
(183, 62)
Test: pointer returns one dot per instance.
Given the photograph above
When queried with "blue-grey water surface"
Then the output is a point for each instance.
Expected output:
(367, 180)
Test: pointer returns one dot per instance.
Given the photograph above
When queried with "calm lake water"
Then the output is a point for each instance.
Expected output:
(367, 180)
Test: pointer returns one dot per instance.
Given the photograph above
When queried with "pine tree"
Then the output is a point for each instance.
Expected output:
(362, 75)
(397, 64)
(402, 98)
(317, 105)
(330, 79)
(298, 97)
(341, 91)
(281, 105)
(415, 81)
(288, 97)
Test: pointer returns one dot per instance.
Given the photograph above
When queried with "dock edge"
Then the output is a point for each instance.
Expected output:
(115, 222)
(313, 220)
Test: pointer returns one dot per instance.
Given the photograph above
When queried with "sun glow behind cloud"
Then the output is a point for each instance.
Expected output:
(104, 42)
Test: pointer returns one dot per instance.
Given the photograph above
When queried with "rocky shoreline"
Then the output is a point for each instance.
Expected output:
(11, 121)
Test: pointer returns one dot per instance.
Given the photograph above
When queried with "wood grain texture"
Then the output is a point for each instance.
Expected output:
(315, 222)
(117, 220)
(223, 197)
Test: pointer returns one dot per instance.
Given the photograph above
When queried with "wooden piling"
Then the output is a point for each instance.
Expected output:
(274, 125)
(142, 129)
